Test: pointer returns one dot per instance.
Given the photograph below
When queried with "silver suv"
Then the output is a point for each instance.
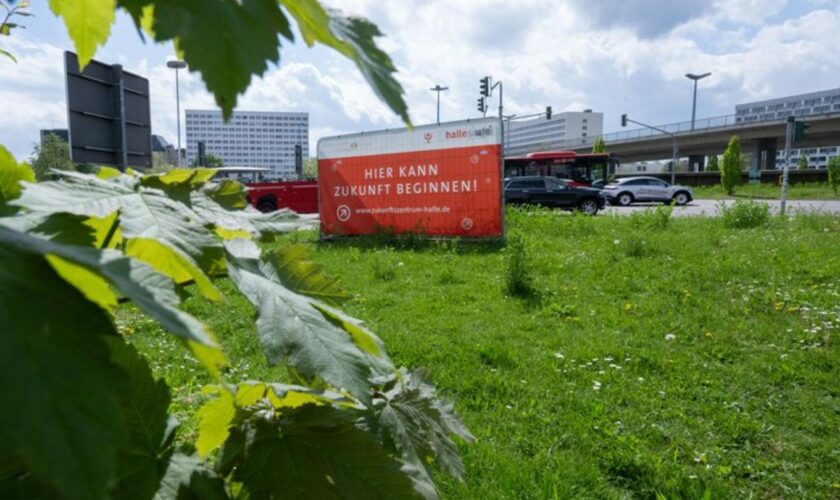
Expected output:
(627, 190)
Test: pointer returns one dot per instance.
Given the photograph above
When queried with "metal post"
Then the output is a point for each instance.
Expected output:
(438, 89)
(178, 111)
(693, 106)
(788, 140)
(674, 161)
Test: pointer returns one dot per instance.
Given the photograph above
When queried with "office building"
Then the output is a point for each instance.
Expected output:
(800, 106)
(264, 139)
(61, 133)
(563, 130)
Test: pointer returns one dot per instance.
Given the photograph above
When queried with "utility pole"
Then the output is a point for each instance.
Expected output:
(791, 124)
(625, 120)
(437, 88)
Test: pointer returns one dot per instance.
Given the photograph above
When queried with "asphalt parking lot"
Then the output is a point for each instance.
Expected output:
(710, 207)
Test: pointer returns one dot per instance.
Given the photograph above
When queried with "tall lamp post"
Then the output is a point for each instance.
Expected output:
(438, 89)
(692, 76)
(177, 66)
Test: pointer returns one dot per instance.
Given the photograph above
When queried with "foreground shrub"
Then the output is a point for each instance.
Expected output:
(83, 415)
(520, 279)
(744, 214)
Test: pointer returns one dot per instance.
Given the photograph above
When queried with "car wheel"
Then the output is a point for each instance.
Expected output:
(589, 207)
(625, 199)
(266, 206)
(681, 198)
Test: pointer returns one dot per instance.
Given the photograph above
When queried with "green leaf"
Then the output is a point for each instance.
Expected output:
(60, 391)
(313, 452)
(177, 266)
(214, 420)
(226, 63)
(420, 425)
(150, 291)
(188, 478)
(88, 23)
(291, 330)
(229, 194)
(11, 174)
(8, 54)
(247, 220)
(144, 212)
(144, 405)
(353, 37)
(300, 274)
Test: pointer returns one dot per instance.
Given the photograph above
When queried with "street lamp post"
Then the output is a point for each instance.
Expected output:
(438, 89)
(177, 66)
(692, 76)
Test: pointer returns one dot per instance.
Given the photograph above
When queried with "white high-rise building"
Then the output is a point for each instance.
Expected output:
(560, 132)
(264, 139)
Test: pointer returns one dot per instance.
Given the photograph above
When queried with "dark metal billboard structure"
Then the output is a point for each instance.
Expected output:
(108, 115)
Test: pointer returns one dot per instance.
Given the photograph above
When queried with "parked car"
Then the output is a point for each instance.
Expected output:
(628, 190)
(299, 196)
(552, 192)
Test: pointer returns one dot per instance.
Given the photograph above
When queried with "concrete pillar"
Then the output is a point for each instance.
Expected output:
(696, 163)
(763, 155)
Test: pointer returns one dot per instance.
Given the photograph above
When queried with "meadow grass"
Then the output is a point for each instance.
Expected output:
(799, 191)
(679, 359)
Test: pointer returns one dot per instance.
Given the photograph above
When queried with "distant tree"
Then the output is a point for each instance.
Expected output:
(834, 173)
(713, 165)
(730, 175)
(52, 154)
(310, 169)
(211, 160)
(803, 162)
(599, 146)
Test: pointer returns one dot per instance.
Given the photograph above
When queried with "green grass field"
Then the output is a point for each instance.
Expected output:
(802, 191)
(647, 360)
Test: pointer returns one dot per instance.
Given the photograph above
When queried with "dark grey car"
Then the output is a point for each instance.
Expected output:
(552, 192)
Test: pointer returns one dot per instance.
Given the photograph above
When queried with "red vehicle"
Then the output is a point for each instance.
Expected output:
(581, 169)
(300, 196)
(268, 196)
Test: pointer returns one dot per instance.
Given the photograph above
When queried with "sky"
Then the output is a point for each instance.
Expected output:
(611, 56)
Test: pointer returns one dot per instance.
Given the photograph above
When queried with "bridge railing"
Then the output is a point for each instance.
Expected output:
(700, 125)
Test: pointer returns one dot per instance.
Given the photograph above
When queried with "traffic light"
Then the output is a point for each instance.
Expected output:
(548, 112)
(484, 88)
(623, 120)
(799, 130)
(482, 106)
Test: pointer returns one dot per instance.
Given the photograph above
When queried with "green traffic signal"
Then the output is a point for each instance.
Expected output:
(799, 131)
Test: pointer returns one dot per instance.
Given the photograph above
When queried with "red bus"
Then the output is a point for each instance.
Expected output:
(582, 169)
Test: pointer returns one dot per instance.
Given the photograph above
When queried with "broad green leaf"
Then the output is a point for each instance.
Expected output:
(59, 389)
(420, 425)
(231, 234)
(248, 393)
(291, 330)
(300, 274)
(106, 173)
(187, 477)
(364, 339)
(144, 405)
(144, 212)
(70, 229)
(313, 452)
(11, 174)
(88, 23)
(177, 266)
(150, 291)
(211, 358)
(226, 63)
(353, 37)
(248, 220)
(229, 194)
(214, 420)
(95, 288)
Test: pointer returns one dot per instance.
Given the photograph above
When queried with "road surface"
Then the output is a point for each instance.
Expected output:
(710, 207)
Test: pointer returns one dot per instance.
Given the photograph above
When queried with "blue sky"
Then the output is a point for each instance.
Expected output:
(612, 56)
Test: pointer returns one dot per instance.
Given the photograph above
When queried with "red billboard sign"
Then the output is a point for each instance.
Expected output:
(437, 180)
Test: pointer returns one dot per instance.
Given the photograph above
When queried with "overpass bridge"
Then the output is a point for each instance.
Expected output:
(760, 138)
